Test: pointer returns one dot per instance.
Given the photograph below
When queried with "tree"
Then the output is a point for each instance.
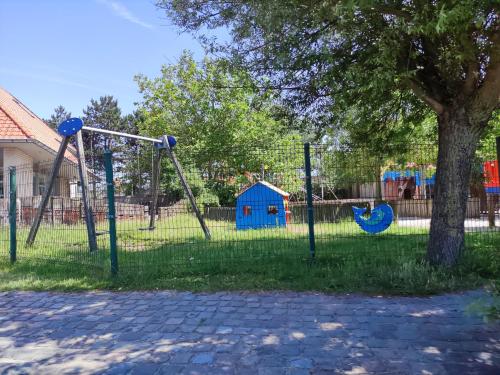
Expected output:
(132, 157)
(224, 125)
(60, 114)
(104, 114)
(374, 60)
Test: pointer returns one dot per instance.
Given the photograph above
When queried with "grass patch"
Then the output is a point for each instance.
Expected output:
(176, 256)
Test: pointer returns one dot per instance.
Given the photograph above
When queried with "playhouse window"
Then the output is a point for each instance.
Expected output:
(272, 210)
(247, 210)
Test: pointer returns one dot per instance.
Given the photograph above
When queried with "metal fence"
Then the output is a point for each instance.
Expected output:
(291, 202)
(61, 237)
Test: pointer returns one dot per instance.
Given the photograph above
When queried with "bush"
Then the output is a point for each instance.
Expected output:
(225, 192)
(207, 198)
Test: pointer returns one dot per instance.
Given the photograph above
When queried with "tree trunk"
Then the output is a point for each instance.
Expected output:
(457, 145)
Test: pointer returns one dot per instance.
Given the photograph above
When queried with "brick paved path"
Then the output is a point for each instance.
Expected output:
(243, 333)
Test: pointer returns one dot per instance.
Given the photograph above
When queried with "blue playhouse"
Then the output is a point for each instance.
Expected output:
(262, 205)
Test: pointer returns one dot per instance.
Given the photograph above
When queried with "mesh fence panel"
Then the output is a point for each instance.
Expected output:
(253, 203)
(4, 212)
(347, 178)
(250, 217)
(62, 235)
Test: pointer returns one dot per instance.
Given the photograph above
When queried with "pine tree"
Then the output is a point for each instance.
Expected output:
(60, 114)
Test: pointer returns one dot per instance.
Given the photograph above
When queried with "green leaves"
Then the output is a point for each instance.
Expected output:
(60, 114)
(327, 57)
(224, 124)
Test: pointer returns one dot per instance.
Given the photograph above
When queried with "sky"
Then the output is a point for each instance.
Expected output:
(65, 52)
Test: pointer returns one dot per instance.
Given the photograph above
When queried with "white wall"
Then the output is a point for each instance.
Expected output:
(13, 157)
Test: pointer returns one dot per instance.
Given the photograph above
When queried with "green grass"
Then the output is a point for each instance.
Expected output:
(176, 256)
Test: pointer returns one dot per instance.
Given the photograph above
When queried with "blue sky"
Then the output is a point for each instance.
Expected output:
(65, 52)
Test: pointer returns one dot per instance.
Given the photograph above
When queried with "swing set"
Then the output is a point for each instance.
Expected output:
(74, 127)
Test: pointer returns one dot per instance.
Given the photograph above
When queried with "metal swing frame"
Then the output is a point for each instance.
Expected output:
(160, 144)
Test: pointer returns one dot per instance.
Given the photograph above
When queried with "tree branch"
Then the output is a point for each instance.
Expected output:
(388, 10)
(487, 98)
(471, 79)
(429, 100)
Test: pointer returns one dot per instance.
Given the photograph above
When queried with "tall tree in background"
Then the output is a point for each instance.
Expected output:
(372, 61)
(105, 114)
(130, 166)
(224, 125)
(60, 114)
(134, 157)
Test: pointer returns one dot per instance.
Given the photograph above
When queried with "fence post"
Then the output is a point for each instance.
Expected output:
(111, 211)
(52, 209)
(13, 213)
(310, 209)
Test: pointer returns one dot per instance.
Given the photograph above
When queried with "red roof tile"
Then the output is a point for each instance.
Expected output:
(18, 122)
(9, 129)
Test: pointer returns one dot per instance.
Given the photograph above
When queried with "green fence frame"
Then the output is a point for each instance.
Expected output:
(110, 185)
(12, 214)
(310, 207)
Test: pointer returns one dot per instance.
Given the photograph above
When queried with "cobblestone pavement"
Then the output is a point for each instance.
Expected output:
(243, 333)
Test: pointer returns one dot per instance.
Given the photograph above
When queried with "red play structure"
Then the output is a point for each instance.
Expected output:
(492, 179)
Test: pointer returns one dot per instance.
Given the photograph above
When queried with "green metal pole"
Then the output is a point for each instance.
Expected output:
(113, 255)
(310, 209)
(13, 214)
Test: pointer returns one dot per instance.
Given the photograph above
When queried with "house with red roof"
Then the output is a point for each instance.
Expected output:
(30, 145)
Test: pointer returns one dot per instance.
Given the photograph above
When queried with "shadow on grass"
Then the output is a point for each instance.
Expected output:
(389, 264)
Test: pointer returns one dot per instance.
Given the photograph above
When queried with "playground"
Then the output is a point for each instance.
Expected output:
(307, 218)
(177, 255)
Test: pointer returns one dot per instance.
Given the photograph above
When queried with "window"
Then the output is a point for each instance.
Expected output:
(1, 185)
(38, 184)
(272, 210)
(41, 185)
(247, 210)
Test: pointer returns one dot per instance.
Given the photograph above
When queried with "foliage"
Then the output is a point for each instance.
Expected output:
(210, 112)
(60, 114)
(207, 198)
(132, 158)
(488, 308)
(225, 191)
(358, 61)
(361, 66)
(131, 163)
(223, 124)
(353, 158)
(487, 146)
(103, 114)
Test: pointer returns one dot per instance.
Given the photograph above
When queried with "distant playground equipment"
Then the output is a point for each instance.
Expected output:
(74, 127)
(492, 177)
(380, 218)
(407, 184)
(262, 205)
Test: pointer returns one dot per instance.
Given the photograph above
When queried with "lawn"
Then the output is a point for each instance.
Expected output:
(176, 256)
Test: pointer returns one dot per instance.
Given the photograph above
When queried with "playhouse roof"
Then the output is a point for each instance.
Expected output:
(266, 184)
(17, 122)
